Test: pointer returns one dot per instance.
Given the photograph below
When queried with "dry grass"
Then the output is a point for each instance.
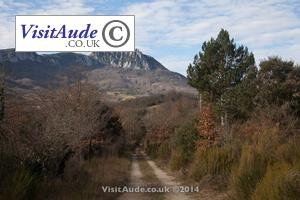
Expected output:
(214, 161)
(281, 182)
(251, 169)
(84, 181)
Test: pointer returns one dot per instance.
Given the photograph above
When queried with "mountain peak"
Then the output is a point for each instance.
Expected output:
(10, 55)
(132, 60)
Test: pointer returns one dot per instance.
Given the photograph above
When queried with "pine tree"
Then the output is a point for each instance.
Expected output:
(220, 67)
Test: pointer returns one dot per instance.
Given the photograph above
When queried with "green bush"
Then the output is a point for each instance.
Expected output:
(281, 182)
(183, 145)
(251, 169)
(214, 161)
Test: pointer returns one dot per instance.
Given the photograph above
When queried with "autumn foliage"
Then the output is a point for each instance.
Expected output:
(206, 127)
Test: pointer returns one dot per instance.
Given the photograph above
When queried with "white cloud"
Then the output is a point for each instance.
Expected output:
(64, 7)
(266, 27)
(51, 7)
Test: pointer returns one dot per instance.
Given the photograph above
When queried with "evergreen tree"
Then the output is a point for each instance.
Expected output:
(272, 77)
(219, 68)
(279, 83)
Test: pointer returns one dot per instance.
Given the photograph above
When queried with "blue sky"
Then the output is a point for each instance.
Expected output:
(173, 31)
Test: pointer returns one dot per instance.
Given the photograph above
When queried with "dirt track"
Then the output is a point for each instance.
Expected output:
(138, 180)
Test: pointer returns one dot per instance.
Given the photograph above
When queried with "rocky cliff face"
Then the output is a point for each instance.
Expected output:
(133, 60)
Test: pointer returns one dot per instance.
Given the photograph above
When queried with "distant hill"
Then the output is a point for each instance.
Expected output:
(132, 73)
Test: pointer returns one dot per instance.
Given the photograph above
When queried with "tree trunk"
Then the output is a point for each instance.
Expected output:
(200, 102)
(222, 120)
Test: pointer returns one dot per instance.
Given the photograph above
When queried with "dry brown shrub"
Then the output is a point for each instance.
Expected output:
(207, 128)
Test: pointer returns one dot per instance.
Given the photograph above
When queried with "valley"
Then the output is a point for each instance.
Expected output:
(71, 124)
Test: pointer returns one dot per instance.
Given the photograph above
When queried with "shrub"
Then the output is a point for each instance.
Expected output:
(214, 161)
(152, 150)
(282, 181)
(183, 145)
(24, 185)
(164, 151)
(177, 160)
(85, 180)
(252, 167)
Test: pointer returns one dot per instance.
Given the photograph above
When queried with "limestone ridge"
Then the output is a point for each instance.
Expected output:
(133, 60)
